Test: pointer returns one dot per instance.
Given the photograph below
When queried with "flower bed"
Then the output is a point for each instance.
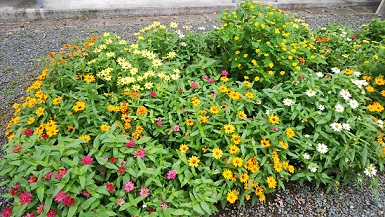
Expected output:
(179, 121)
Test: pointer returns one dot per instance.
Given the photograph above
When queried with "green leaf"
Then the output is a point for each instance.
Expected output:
(40, 193)
(364, 156)
(143, 140)
(72, 210)
(197, 208)
(87, 203)
(111, 213)
(206, 207)
(82, 180)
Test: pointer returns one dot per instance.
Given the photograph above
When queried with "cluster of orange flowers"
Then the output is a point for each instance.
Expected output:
(375, 107)
(320, 40)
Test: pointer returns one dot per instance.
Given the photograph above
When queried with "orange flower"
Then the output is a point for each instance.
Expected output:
(141, 110)
(301, 60)
(135, 95)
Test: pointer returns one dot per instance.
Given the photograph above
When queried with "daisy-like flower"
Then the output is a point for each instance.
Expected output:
(144, 192)
(217, 153)
(229, 128)
(346, 126)
(370, 170)
(288, 102)
(140, 153)
(313, 168)
(345, 94)
(321, 107)
(336, 127)
(306, 156)
(336, 70)
(320, 74)
(322, 148)
(171, 174)
(129, 186)
(353, 103)
(339, 108)
(193, 161)
(60, 196)
(274, 119)
(358, 74)
(183, 148)
(310, 93)
(120, 202)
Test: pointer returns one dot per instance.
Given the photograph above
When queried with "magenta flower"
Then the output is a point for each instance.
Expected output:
(60, 174)
(171, 174)
(25, 198)
(28, 132)
(205, 77)
(60, 196)
(164, 205)
(110, 187)
(211, 81)
(32, 179)
(14, 191)
(129, 186)
(29, 215)
(87, 160)
(85, 193)
(153, 94)
(120, 201)
(176, 128)
(193, 85)
(47, 176)
(144, 192)
(159, 122)
(140, 153)
(51, 213)
(69, 201)
(17, 148)
(121, 169)
(7, 212)
(224, 73)
(130, 143)
(40, 209)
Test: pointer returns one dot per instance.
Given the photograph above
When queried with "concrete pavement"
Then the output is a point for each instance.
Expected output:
(22, 10)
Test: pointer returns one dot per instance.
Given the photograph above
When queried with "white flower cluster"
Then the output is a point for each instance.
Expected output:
(339, 127)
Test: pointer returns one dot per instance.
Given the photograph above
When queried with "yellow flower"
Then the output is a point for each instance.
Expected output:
(237, 52)
(236, 38)
(233, 149)
(89, 78)
(256, 78)
(265, 143)
(237, 162)
(56, 101)
(173, 25)
(232, 197)
(247, 196)
(141, 110)
(274, 119)
(217, 153)
(183, 148)
(244, 178)
(234, 95)
(282, 72)
(224, 79)
(271, 65)
(284, 145)
(271, 182)
(241, 114)
(196, 102)
(278, 167)
(249, 95)
(290, 132)
(30, 121)
(223, 89)
(214, 110)
(236, 139)
(203, 119)
(39, 112)
(104, 127)
(227, 174)
(193, 161)
(229, 128)
(257, 50)
(189, 122)
(369, 88)
(85, 137)
(79, 106)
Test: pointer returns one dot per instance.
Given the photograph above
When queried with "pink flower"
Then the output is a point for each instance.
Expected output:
(106, 159)
(110, 187)
(17, 148)
(87, 160)
(28, 132)
(180, 90)
(130, 143)
(153, 94)
(144, 192)
(69, 201)
(193, 85)
(47, 176)
(40, 209)
(140, 153)
(164, 205)
(159, 122)
(120, 201)
(32, 179)
(176, 128)
(14, 191)
(85, 193)
(29, 215)
(121, 169)
(171, 174)
(25, 198)
(211, 81)
(224, 73)
(60, 196)
(274, 129)
(129, 186)
(205, 77)
(60, 174)
(7, 212)
(51, 213)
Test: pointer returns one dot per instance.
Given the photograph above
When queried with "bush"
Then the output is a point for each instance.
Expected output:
(157, 129)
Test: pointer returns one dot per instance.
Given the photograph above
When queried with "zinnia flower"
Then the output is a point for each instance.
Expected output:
(59, 197)
(171, 174)
(69, 201)
(110, 187)
(7, 212)
(370, 170)
(51, 213)
(40, 209)
(129, 186)
(144, 192)
(322, 148)
(217, 153)
(130, 143)
(193, 161)
(120, 202)
(140, 153)
(25, 198)
(176, 128)
(87, 160)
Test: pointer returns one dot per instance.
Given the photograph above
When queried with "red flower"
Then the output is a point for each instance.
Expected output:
(28, 132)
(51, 213)
(180, 90)
(121, 169)
(87, 160)
(114, 159)
(44, 136)
(14, 191)
(354, 37)
(7, 212)
(110, 187)
(25, 198)
(153, 94)
(69, 201)
(17, 148)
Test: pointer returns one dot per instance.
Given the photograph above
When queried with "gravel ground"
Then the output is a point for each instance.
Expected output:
(22, 43)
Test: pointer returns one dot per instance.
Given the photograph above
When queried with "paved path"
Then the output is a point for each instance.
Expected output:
(20, 10)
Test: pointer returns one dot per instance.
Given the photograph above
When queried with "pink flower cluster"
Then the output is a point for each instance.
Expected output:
(61, 197)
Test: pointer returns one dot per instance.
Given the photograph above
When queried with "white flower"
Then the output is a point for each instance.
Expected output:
(307, 135)
(201, 28)
(319, 74)
(322, 148)
(313, 167)
(358, 74)
(336, 127)
(345, 94)
(346, 126)
(306, 156)
(336, 70)
(353, 103)
(267, 112)
(310, 93)
(288, 102)
(344, 33)
(183, 44)
(359, 83)
(321, 107)
(359, 118)
(380, 123)
(339, 108)
(370, 170)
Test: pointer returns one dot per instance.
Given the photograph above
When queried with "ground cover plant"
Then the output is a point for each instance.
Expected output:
(180, 122)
